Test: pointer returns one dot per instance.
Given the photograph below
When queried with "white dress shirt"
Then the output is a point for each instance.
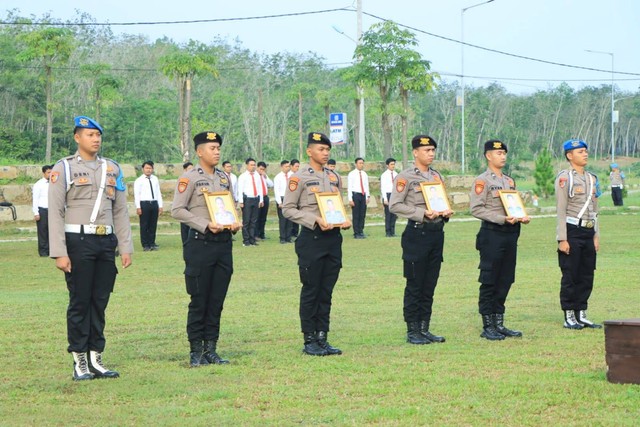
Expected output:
(234, 185)
(386, 183)
(280, 186)
(142, 190)
(246, 186)
(353, 183)
(267, 183)
(40, 195)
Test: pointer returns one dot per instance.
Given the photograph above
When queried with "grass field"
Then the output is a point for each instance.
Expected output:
(552, 376)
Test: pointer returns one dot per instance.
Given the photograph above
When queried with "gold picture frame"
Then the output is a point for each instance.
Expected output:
(512, 203)
(435, 196)
(331, 208)
(222, 210)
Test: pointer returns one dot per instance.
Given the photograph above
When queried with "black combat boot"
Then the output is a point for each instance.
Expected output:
(424, 330)
(498, 321)
(489, 329)
(81, 370)
(98, 369)
(322, 342)
(210, 353)
(196, 356)
(414, 336)
(570, 321)
(582, 319)
(311, 345)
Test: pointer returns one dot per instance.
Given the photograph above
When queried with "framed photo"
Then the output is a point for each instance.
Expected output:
(331, 208)
(222, 210)
(512, 203)
(435, 196)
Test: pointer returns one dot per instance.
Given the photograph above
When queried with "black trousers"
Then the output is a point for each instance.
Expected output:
(295, 229)
(262, 217)
(148, 223)
(250, 219)
(577, 268)
(389, 219)
(184, 232)
(90, 283)
(43, 231)
(422, 258)
(209, 266)
(284, 226)
(616, 195)
(498, 246)
(319, 261)
(358, 213)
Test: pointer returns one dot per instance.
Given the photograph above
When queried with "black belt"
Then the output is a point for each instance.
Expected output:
(148, 201)
(222, 237)
(430, 226)
(506, 228)
(318, 231)
(250, 197)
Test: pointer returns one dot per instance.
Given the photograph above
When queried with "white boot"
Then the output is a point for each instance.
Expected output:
(582, 318)
(570, 321)
(96, 366)
(80, 367)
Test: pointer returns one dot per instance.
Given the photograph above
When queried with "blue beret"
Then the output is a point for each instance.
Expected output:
(614, 165)
(572, 144)
(87, 123)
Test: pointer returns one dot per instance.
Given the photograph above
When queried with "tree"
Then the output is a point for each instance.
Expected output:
(104, 86)
(183, 65)
(50, 46)
(385, 55)
(543, 175)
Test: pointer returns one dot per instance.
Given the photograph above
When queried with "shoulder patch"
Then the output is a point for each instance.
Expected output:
(401, 184)
(479, 186)
(54, 177)
(182, 184)
(562, 181)
(293, 183)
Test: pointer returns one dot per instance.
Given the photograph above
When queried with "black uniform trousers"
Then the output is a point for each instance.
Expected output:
(90, 283)
(262, 217)
(577, 268)
(43, 231)
(422, 256)
(616, 195)
(319, 261)
(184, 232)
(498, 246)
(148, 223)
(250, 210)
(389, 219)
(284, 226)
(358, 212)
(209, 266)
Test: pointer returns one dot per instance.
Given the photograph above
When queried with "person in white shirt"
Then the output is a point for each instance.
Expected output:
(358, 195)
(386, 187)
(266, 183)
(250, 194)
(41, 210)
(227, 168)
(279, 188)
(295, 227)
(148, 201)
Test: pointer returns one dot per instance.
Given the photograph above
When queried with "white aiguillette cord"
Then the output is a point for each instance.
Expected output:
(103, 181)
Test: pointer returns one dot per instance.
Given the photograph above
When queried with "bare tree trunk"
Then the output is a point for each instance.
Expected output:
(300, 123)
(259, 148)
(183, 147)
(49, 107)
(356, 133)
(186, 119)
(404, 117)
(386, 128)
(327, 113)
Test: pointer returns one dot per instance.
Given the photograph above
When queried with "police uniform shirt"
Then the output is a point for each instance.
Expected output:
(300, 204)
(189, 205)
(570, 201)
(142, 190)
(386, 183)
(407, 200)
(40, 195)
(616, 179)
(75, 206)
(484, 198)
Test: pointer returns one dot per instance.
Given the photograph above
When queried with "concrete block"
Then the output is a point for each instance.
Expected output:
(8, 172)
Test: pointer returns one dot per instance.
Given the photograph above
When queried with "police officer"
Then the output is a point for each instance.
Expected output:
(319, 245)
(577, 234)
(207, 252)
(616, 177)
(88, 219)
(422, 240)
(497, 241)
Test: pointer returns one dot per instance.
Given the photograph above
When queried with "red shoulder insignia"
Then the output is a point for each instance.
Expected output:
(563, 181)
(401, 184)
(182, 184)
(293, 183)
(54, 177)
(479, 186)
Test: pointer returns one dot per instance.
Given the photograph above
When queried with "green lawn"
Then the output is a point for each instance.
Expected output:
(552, 376)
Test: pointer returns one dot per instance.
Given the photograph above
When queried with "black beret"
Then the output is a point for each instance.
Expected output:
(208, 136)
(318, 138)
(495, 144)
(423, 141)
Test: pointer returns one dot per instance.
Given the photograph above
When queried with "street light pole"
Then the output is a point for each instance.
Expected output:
(613, 148)
(361, 139)
(462, 11)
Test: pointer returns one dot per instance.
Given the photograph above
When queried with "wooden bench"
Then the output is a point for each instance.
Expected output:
(622, 346)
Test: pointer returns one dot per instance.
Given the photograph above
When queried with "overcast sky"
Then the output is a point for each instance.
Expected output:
(551, 30)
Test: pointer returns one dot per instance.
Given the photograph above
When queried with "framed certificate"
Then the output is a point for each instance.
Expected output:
(331, 208)
(512, 203)
(221, 208)
(435, 196)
